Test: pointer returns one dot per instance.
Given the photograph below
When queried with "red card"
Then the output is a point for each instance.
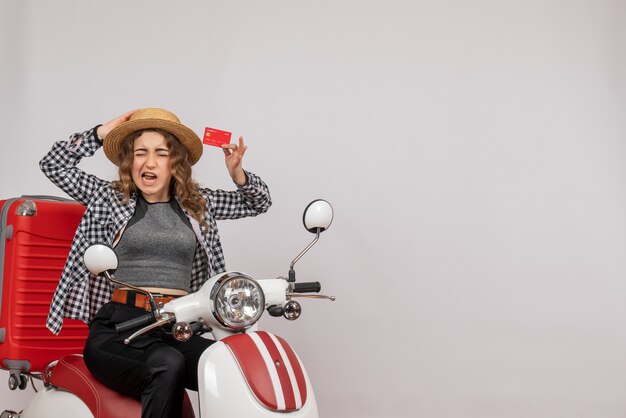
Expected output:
(215, 137)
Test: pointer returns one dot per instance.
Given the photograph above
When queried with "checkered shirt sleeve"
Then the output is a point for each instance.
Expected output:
(250, 200)
(59, 165)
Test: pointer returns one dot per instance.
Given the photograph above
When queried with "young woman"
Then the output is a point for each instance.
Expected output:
(163, 229)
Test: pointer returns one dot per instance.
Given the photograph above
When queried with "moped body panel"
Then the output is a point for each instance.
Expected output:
(55, 403)
(271, 369)
(227, 393)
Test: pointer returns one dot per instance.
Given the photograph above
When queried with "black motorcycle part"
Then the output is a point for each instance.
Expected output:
(275, 310)
(140, 321)
(307, 287)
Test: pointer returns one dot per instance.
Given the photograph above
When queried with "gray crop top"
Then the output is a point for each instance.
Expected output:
(157, 247)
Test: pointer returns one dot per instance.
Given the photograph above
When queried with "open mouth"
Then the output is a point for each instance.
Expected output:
(149, 177)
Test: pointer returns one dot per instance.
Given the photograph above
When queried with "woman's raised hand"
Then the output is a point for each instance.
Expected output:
(103, 130)
(233, 154)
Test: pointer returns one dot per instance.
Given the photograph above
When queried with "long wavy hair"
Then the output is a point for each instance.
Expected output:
(182, 184)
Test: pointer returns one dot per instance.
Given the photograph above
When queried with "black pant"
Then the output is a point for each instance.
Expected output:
(154, 368)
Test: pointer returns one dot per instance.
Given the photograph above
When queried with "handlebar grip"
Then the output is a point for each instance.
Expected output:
(307, 287)
(134, 323)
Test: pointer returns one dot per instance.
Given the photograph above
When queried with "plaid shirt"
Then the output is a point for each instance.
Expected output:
(80, 294)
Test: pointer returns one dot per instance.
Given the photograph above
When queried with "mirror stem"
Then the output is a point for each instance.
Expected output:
(292, 272)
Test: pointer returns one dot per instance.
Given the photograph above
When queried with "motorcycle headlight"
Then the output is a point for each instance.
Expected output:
(238, 301)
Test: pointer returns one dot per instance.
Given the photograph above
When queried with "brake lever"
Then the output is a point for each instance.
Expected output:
(304, 295)
(165, 318)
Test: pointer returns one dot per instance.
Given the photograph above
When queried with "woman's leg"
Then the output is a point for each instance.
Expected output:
(152, 371)
(192, 350)
(164, 386)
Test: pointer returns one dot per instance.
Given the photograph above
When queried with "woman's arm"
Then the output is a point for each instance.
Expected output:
(249, 200)
(59, 165)
(252, 197)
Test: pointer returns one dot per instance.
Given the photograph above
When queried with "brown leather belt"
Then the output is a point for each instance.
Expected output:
(139, 300)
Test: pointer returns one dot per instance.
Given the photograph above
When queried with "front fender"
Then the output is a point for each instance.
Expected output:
(226, 392)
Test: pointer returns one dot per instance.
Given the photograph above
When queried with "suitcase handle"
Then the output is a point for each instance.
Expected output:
(46, 197)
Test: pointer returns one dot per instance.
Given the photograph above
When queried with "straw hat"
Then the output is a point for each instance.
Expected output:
(152, 118)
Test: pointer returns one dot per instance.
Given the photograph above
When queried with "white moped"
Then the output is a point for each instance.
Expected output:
(247, 373)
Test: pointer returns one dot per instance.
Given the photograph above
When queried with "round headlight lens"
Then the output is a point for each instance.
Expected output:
(239, 302)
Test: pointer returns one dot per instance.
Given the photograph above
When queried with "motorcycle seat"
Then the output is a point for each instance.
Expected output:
(71, 374)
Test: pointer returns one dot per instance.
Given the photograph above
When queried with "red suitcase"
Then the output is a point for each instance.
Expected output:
(35, 238)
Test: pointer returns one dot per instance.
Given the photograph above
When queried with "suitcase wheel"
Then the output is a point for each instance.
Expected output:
(17, 381)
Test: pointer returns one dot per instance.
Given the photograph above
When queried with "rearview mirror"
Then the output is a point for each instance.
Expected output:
(318, 216)
(100, 258)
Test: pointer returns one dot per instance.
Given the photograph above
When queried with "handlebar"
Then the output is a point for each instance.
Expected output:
(307, 287)
(135, 322)
(155, 321)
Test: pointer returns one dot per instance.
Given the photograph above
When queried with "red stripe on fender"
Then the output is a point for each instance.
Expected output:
(253, 367)
(285, 381)
(297, 369)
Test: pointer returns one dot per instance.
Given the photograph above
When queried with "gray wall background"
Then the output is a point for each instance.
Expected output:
(473, 151)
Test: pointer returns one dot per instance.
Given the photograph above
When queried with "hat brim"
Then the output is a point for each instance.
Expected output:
(112, 144)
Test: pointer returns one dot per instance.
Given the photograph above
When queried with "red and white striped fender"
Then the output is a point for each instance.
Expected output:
(271, 368)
